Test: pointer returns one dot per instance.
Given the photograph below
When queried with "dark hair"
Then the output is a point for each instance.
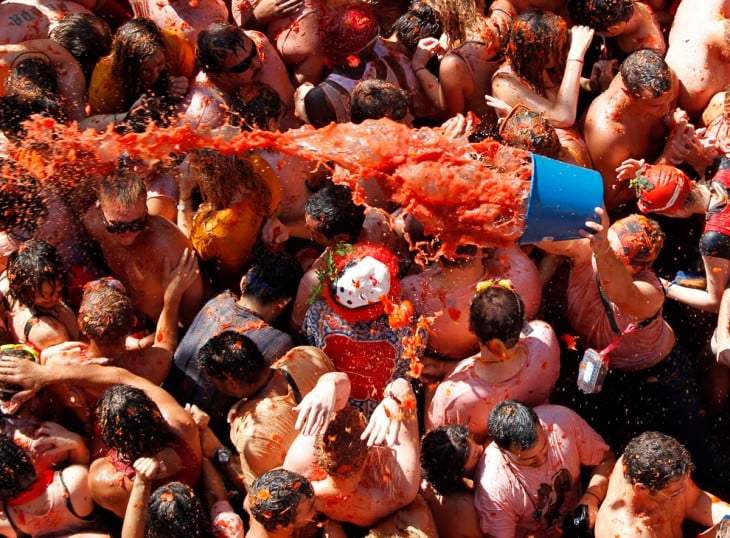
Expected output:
(444, 452)
(216, 41)
(600, 14)
(123, 186)
(15, 109)
(34, 263)
(418, 22)
(174, 511)
(131, 423)
(536, 38)
(654, 459)
(86, 36)
(271, 277)
(232, 354)
(340, 450)
(254, 105)
(33, 74)
(106, 315)
(17, 472)
(513, 424)
(335, 212)
(275, 496)
(645, 70)
(136, 41)
(496, 312)
(375, 99)
(21, 203)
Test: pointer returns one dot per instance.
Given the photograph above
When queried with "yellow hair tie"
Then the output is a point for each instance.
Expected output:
(501, 282)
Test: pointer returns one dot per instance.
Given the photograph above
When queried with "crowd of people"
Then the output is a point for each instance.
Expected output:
(253, 343)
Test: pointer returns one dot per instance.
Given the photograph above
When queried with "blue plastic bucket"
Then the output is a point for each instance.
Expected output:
(562, 197)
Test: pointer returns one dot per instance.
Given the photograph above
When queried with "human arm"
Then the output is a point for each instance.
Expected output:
(146, 470)
(224, 520)
(561, 112)
(597, 487)
(52, 442)
(717, 271)
(723, 330)
(635, 298)
(330, 394)
(394, 417)
(266, 11)
(429, 83)
(703, 507)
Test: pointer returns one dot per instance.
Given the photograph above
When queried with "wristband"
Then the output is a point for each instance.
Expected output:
(602, 252)
(181, 207)
(575, 60)
(594, 495)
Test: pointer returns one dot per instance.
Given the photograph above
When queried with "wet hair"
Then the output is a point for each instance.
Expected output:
(654, 459)
(513, 424)
(151, 110)
(123, 186)
(375, 99)
(496, 312)
(255, 105)
(444, 453)
(33, 74)
(536, 38)
(86, 36)
(131, 423)
(34, 263)
(17, 108)
(275, 496)
(216, 41)
(340, 451)
(530, 130)
(335, 212)
(646, 71)
(17, 472)
(600, 14)
(22, 204)
(135, 42)
(232, 354)
(272, 276)
(221, 178)
(106, 314)
(418, 22)
(174, 511)
(348, 30)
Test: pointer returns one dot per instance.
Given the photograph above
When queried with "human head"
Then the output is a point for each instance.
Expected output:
(340, 450)
(32, 74)
(654, 459)
(445, 452)
(272, 277)
(138, 58)
(538, 43)
(646, 75)
(375, 99)
(332, 215)
(348, 30)
(17, 472)
(131, 423)
(86, 36)
(636, 240)
(233, 363)
(496, 312)
(22, 205)
(123, 203)
(601, 15)
(227, 55)
(257, 105)
(15, 109)
(174, 511)
(36, 274)
(280, 498)
(419, 21)
(516, 430)
(530, 130)
(106, 315)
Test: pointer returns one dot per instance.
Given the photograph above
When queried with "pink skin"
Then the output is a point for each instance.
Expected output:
(116, 213)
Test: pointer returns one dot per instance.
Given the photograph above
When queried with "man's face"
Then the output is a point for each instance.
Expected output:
(656, 107)
(312, 227)
(535, 456)
(305, 512)
(474, 452)
(124, 223)
(241, 66)
(673, 490)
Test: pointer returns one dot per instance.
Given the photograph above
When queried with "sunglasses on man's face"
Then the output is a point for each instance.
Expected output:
(124, 227)
(244, 64)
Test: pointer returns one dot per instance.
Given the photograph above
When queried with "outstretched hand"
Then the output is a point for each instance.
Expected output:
(384, 424)
(315, 409)
(599, 238)
(18, 371)
(177, 280)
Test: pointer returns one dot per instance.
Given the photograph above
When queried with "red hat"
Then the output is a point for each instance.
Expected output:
(662, 188)
(347, 30)
(641, 240)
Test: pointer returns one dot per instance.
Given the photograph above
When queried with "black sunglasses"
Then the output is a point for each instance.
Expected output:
(124, 227)
(244, 64)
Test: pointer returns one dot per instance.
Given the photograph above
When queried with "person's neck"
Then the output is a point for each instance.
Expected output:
(258, 531)
(97, 350)
(262, 310)
(495, 369)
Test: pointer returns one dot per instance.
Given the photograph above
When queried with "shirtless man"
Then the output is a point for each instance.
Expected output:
(700, 59)
(279, 502)
(357, 482)
(136, 245)
(628, 121)
(183, 16)
(229, 57)
(650, 492)
(21, 23)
